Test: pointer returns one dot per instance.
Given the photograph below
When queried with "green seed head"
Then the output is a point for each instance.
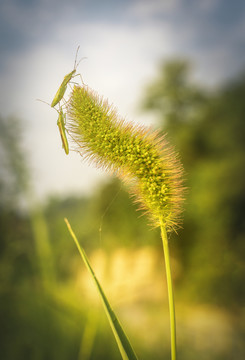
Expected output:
(139, 156)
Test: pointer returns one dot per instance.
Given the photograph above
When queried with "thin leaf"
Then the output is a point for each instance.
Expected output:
(123, 343)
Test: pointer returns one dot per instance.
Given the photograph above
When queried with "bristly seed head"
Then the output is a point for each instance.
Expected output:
(135, 153)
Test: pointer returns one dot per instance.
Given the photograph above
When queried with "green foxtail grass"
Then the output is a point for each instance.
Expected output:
(139, 156)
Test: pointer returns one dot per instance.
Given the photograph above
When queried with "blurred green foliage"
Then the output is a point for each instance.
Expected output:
(14, 173)
(208, 130)
(44, 314)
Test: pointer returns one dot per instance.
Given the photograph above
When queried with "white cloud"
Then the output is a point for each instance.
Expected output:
(148, 9)
(121, 58)
(117, 64)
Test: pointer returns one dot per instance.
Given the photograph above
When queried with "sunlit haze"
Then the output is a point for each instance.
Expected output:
(123, 43)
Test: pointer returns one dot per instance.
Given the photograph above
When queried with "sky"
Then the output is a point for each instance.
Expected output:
(122, 43)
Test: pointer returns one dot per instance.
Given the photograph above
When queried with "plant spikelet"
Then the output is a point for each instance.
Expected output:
(138, 155)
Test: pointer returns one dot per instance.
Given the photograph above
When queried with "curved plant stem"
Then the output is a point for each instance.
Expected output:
(170, 292)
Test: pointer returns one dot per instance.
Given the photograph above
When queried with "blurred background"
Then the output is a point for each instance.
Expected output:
(177, 66)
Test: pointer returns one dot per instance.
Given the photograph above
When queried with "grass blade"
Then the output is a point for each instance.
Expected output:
(123, 343)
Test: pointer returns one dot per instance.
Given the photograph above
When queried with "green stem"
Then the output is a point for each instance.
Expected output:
(170, 292)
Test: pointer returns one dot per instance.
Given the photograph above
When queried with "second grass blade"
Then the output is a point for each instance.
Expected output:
(123, 343)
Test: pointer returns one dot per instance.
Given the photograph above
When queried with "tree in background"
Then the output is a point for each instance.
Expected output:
(32, 323)
(208, 130)
(14, 174)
